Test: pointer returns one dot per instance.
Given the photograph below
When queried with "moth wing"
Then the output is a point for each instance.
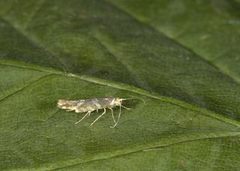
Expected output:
(80, 102)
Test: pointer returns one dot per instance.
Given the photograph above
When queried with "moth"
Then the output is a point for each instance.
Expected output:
(91, 105)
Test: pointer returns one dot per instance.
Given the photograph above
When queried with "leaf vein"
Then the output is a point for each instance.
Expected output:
(156, 147)
(24, 87)
(34, 41)
(139, 91)
(233, 77)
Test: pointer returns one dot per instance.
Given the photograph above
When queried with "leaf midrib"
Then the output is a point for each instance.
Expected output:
(130, 150)
(126, 87)
(120, 152)
(118, 85)
(139, 91)
(148, 149)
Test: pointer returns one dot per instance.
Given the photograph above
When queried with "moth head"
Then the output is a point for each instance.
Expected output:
(118, 101)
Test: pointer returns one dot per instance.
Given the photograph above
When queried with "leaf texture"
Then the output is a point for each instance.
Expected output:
(177, 59)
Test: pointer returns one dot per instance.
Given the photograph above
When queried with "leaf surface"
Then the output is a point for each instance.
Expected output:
(185, 112)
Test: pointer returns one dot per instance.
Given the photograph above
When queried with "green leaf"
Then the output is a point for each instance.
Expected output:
(177, 59)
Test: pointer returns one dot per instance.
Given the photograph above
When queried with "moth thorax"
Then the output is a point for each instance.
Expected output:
(117, 101)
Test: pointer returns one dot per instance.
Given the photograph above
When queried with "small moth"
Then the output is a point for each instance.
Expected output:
(90, 105)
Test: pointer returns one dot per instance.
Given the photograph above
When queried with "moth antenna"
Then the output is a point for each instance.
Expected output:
(134, 98)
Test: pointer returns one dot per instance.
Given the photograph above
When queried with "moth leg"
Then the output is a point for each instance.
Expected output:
(87, 114)
(69, 110)
(104, 111)
(126, 107)
(119, 115)
(112, 115)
